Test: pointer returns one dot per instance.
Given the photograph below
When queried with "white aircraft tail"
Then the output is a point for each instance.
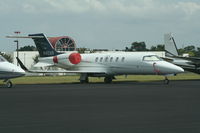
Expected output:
(170, 45)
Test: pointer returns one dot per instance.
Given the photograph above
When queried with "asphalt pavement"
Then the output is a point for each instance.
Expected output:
(120, 107)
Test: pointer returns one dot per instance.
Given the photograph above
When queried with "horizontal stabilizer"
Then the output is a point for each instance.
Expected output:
(25, 37)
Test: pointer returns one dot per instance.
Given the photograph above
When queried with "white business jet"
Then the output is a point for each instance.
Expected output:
(106, 64)
(9, 71)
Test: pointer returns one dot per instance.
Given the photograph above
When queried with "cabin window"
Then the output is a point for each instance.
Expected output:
(101, 59)
(116, 60)
(106, 59)
(96, 60)
(123, 58)
(111, 59)
(151, 58)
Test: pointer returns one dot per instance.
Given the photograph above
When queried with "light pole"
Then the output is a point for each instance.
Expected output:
(17, 49)
(17, 41)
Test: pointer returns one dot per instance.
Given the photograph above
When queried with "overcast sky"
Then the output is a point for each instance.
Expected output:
(110, 24)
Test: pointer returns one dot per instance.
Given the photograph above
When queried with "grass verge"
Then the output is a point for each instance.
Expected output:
(75, 79)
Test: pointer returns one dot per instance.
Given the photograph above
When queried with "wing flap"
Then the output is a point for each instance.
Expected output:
(42, 64)
(86, 70)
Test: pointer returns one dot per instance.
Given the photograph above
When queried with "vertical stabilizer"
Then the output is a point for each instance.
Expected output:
(43, 45)
(170, 45)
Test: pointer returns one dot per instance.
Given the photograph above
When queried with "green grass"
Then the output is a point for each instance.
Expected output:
(75, 79)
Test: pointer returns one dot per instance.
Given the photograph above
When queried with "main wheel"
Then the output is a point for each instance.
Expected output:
(107, 79)
(85, 81)
(9, 84)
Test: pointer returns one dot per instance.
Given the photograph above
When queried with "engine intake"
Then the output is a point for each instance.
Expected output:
(75, 58)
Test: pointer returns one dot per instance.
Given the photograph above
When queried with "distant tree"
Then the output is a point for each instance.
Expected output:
(8, 57)
(28, 48)
(138, 46)
(197, 53)
(127, 49)
(189, 48)
(159, 47)
(181, 51)
(82, 50)
(153, 48)
(191, 53)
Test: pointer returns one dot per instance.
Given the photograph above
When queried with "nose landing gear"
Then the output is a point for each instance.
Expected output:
(166, 80)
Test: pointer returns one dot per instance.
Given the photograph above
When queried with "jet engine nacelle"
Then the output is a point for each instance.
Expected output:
(69, 59)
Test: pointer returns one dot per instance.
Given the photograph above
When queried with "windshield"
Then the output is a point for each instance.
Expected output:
(2, 59)
(151, 58)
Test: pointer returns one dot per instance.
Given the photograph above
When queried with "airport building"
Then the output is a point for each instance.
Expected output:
(27, 58)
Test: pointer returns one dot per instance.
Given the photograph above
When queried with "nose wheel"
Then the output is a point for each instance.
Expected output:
(166, 80)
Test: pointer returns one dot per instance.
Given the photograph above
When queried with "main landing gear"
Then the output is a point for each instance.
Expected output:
(84, 79)
(8, 83)
(108, 80)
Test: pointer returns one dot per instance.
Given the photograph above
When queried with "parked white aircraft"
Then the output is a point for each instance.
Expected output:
(191, 64)
(106, 64)
(9, 71)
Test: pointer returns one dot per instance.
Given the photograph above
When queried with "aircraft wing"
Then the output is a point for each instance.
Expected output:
(99, 71)
(41, 64)
(64, 71)
(167, 59)
(194, 61)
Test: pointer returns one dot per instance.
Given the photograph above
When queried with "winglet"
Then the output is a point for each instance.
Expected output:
(21, 64)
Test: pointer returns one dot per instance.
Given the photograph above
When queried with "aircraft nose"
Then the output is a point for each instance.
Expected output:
(169, 68)
(178, 69)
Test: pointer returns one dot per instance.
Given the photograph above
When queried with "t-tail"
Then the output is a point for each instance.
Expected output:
(43, 45)
(170, 45)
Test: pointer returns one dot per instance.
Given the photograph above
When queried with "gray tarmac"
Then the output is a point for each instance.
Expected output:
(120, 107)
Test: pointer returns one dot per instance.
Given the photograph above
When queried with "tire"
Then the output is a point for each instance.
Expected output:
(84, 81)
(166, 81)
(9, 84)
(107, 80)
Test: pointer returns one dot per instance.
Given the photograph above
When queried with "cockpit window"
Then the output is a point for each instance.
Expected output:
(2, 59)
(151, 58)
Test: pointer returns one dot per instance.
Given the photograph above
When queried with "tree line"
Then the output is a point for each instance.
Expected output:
(141, 46)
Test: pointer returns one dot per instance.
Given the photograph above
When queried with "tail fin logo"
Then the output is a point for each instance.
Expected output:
(48, 53)
(43, 45)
